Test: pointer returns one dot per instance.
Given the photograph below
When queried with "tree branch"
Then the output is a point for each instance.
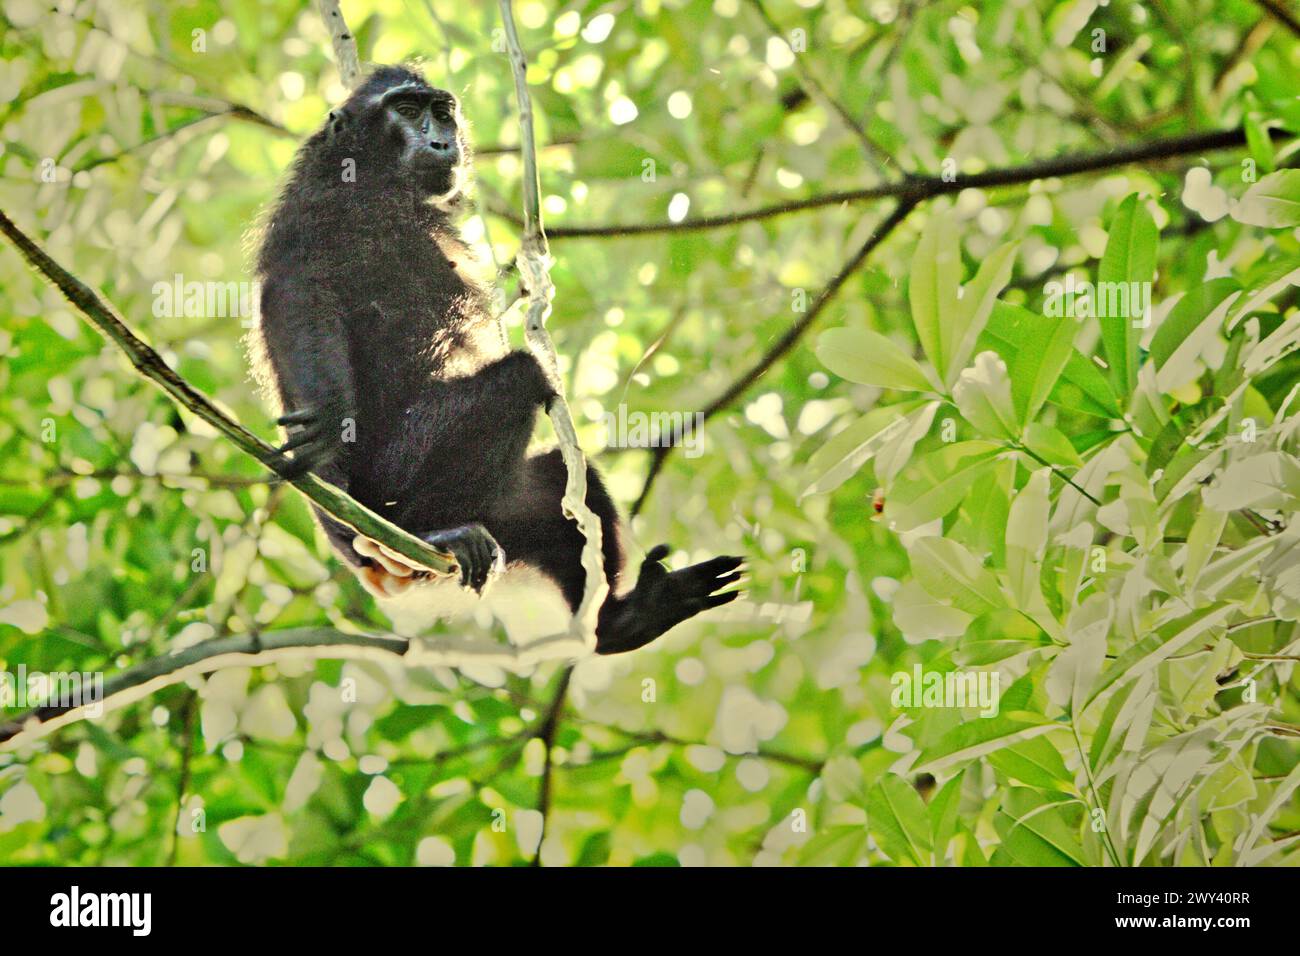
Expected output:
(912, 192)
(643, 738)
(1281, 14)
(245, 650)
(183, 783)
(258, 649)
(923, 187)
(345, 44)
(227, 110)
(787, 341)
(534, 261)
(150, 364)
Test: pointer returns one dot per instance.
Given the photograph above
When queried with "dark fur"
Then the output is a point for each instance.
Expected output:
(364, 317)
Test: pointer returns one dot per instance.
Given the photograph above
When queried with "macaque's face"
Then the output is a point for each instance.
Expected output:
(423, 128)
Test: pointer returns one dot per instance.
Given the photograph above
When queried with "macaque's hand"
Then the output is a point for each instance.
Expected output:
(315, 438)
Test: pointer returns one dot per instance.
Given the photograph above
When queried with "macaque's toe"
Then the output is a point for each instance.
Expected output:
(388, 574)
(392, 562)
(382, 584)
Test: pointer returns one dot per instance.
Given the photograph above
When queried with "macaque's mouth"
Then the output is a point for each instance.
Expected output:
(429, 160)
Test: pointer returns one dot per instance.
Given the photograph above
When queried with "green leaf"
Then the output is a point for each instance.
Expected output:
(983, 395)
(835, 846)
(1273, 202)
(947, 570)
(1188, 328)
(843, 779)
(897, 818)
(1051, 445)
(1074, 671)
(1172, 438)
(893, 456)
(933, 485)
(1154, 648)
(869, 358)
(1027, 538)
(1259, 821)
(1257, 138)
(986, 646)
(1035, 763)
(595, 850)
(971, 855)
(1281, 342)
(1130, 257)
(979, 738)
(971, 739)
(1115, 719)
(1264, 286)
(923, 617)
(1035, 833)
(1084, 387)
(848, 451)
(1045, 347)
(1266, 480)
(943, 809)
(975, 306)
(932, 289)
(1081, 386)
(987, 507)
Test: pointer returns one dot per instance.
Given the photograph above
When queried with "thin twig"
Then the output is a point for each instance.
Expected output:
(877, 156)
(788, 339)
(233, 111)
(812, 765)
(244, 650)
(546, 734)
(1058, 473)
(186, 748)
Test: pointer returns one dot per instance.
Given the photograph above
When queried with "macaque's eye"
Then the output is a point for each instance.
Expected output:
(442, 114)
(408, 110)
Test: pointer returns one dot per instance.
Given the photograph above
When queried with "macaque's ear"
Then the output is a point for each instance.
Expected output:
(338, 122)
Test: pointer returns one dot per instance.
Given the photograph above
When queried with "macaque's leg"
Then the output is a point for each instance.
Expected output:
(533, 530)
(454, 453)
(551, 543)
(458, 448)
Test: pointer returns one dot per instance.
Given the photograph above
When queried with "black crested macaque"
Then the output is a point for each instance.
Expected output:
(396, 382)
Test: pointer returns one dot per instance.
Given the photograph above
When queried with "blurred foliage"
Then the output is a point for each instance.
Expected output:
(139, 142)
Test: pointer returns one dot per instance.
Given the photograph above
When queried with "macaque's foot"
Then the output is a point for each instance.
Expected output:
(476, 551)
(663, 599)
(387, 575)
